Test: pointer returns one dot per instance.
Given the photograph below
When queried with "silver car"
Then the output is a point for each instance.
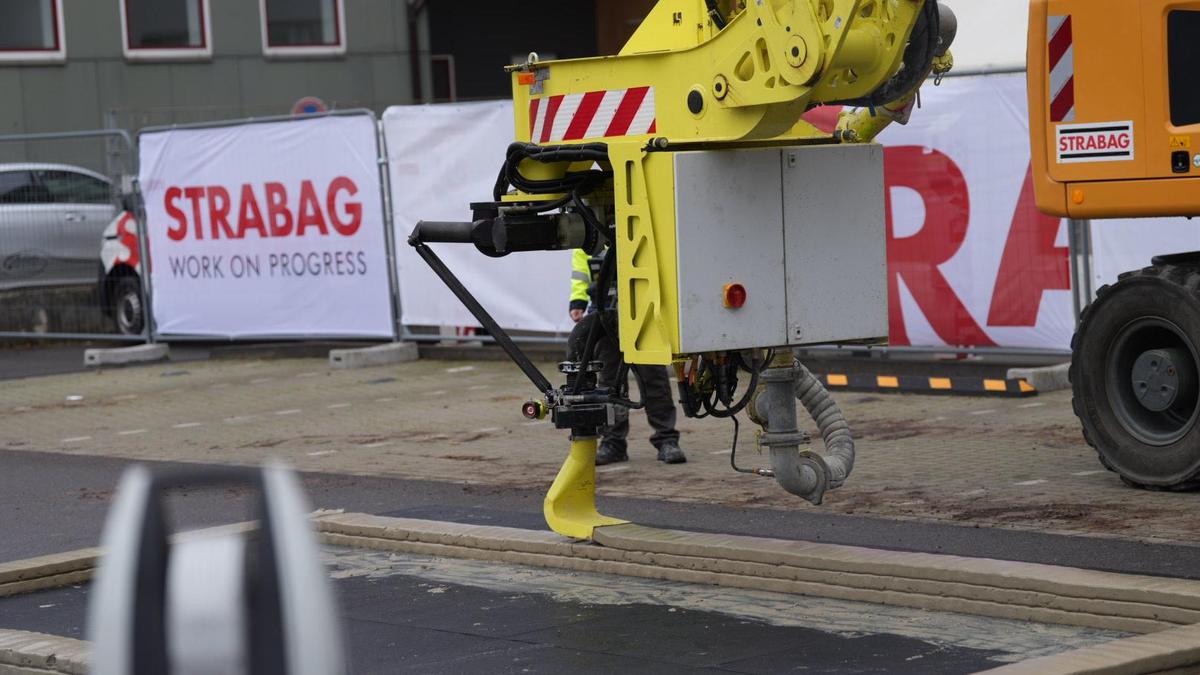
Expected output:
(52, 221)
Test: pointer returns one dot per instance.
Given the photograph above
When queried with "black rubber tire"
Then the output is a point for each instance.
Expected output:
(128, 308)
(1164, 292)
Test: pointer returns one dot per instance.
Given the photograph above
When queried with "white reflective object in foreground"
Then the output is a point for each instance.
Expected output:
(228, 601)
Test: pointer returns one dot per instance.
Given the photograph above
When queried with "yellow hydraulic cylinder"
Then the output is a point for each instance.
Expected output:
(862, 125)
(570, 506)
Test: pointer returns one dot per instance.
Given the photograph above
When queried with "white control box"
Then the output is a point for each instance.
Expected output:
(801, 229)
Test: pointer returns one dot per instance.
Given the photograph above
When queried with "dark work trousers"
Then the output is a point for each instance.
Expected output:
(656, 391)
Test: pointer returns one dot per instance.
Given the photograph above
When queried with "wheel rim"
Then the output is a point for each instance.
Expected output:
(129, 313)
(1151, 379)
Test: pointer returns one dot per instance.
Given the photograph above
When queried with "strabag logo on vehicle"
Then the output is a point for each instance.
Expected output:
(1101, 142)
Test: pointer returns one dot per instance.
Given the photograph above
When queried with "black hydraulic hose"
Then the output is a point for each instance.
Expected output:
(540, 207)
(517, 152)
(714, 12)
(622, 377)
(590, 219)
(585, 357)
(589, 348)
(765, 473)
(732, 410)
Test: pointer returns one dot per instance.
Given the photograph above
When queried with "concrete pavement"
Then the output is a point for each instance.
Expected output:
(1013, 464)
(406, 613)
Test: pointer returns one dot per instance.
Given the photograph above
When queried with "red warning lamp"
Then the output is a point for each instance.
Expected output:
(735, 296)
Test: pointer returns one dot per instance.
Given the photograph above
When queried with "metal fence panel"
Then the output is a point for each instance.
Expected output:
(70, 246)
(268, 165)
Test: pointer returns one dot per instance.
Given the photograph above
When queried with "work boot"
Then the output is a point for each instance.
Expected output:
(670, 453)
(610, 454)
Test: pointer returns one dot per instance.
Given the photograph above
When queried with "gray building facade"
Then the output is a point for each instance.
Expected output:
(88, 64)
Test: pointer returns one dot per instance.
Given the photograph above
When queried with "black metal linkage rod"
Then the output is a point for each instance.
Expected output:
(502, 338)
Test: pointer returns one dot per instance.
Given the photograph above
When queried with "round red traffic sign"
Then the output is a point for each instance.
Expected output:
(309, 105)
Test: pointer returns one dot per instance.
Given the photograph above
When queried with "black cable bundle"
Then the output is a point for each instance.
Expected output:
(510, 174)
(719, 402)
(575, 185)
(714, 12)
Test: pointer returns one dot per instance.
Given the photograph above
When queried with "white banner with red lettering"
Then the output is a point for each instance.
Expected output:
(270, 229)
(441, 159)
(971, 260)
(1124, 245)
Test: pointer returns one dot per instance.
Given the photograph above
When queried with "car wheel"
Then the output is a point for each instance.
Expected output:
(129, 312)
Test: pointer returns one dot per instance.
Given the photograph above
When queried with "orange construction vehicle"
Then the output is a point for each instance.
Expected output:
(1114, 110)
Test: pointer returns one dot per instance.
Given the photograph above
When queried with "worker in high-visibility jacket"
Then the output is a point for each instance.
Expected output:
(654, 380)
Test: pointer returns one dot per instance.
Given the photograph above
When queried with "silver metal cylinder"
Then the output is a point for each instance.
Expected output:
(802, 473)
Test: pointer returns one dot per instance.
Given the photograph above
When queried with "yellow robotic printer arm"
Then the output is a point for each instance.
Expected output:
(716, 74)
(704, 75)
(734, 229)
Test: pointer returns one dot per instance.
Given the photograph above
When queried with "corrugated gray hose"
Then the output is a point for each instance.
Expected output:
(835, 432)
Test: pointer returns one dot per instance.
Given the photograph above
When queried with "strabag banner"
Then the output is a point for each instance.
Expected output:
(442, 158)
(268, 229)
(971, 262)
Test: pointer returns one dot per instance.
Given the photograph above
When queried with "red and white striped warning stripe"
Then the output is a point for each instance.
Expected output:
(596, 114)
(1062, 69)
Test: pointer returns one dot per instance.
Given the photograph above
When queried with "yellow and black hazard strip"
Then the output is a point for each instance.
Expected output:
(920, 384)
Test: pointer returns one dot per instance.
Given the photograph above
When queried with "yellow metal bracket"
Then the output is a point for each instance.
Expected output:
(765, 58)
(645, 231)
(570, 506)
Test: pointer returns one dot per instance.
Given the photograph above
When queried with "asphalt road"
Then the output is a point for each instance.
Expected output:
(39, 360)
(36, 361)
(57, 502)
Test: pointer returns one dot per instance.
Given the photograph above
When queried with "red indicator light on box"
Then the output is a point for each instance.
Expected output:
(735, 296)
(526, 78)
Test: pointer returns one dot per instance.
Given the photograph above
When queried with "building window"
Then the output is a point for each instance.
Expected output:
(31, 31)
(303, 27)
(165, 29)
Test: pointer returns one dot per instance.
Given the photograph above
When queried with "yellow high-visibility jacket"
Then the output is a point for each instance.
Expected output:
(581, 279)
